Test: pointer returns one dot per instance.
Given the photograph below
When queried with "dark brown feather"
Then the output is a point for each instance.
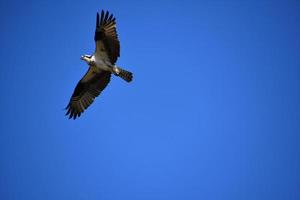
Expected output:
(106, 31)
(87, 89)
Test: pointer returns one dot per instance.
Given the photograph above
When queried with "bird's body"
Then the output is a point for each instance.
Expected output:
(101, 66)
(100, 63)
(97, 63)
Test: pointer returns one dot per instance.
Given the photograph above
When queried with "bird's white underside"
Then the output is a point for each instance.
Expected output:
(100, 62)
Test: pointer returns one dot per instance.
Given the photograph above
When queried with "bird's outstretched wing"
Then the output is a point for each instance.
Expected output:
(87, 89)
(106, 37)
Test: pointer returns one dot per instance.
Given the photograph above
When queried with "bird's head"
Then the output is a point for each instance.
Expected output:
(86, 58)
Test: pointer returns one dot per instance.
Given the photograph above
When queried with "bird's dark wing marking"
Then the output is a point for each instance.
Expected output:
(87, 89)
(106, 36)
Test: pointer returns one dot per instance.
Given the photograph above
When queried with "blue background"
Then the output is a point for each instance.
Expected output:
(213, 111)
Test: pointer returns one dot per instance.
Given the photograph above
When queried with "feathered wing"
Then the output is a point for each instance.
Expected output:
(87, 89)
(106, 37)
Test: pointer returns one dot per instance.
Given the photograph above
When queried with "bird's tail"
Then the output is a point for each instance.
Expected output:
(126, 75)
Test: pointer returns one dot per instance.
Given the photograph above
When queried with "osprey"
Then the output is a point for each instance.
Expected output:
(101, 66)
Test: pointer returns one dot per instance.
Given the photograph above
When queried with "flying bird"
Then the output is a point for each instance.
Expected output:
(101, 66)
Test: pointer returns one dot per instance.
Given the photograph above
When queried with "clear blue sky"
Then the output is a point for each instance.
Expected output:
(213, 112)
